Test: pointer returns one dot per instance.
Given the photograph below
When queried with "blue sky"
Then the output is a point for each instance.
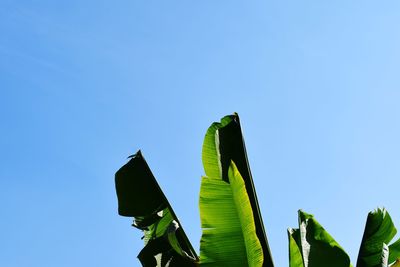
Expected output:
(86, 83)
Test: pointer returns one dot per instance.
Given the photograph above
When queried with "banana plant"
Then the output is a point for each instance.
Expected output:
(311, 246)
(233, 230)
(140, 196)
(375, 250)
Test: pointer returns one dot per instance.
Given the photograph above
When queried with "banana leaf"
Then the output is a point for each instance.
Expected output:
(139, 196)
(295, 257)
(379, 230)
(233, 231)
(311, 245)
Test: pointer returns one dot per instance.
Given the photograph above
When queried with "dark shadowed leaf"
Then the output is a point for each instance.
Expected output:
(140, 196)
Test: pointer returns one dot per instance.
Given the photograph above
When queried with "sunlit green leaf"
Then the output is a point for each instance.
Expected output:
(229, 236)
(295, 257)
(233, 232)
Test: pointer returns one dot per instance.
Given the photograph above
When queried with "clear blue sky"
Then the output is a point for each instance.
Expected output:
(83, 84)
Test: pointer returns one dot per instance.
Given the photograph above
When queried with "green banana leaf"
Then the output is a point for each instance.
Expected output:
(295, 257)
(312, 246)
(233, 231)
(379, 230)
(140, 196)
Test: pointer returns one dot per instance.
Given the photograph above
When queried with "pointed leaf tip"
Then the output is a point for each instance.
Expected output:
(316, 245)
(379, 229)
